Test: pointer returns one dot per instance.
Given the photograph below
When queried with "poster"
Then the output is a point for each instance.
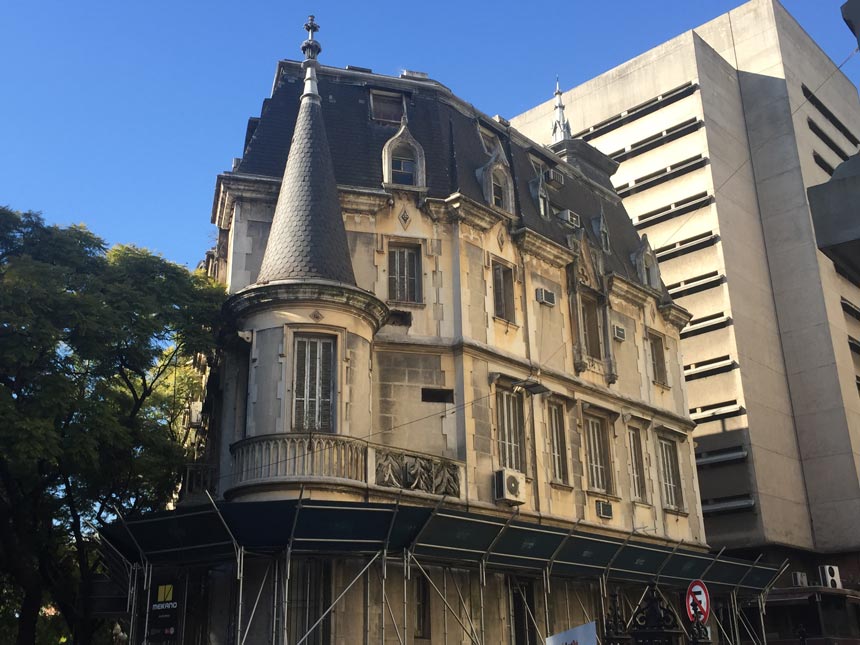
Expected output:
(583, 635)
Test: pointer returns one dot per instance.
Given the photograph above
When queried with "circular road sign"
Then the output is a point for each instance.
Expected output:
(698, 596)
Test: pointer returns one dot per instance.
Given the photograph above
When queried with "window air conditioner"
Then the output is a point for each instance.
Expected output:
(830, 576)
(619, 333)
(554, 178)
(568, 217)
(799, 579)
(545, 296)
(604, 509)
(509, 486)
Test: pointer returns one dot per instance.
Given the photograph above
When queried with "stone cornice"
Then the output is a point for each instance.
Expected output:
(361, 201)
(542, 248)
(479, 216)
(675, 315)
(283, 293)
(629, 291)
(229, 186)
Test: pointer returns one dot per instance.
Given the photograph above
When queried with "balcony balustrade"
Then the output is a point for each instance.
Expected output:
(306, 457)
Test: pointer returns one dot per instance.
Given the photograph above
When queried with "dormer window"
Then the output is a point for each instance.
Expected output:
(403, 160)
(386, 107)
(500, 182)
(403, 166)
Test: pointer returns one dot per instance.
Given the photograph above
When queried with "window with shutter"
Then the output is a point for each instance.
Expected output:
(670, 474)
(558, 451)
(591, 327)
(658, 359)
(510, 427)
(637, 465)
(313, 384)
(503, 292)
(404, 270)
(599, 463)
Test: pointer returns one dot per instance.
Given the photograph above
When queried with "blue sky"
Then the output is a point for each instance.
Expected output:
(119, 115)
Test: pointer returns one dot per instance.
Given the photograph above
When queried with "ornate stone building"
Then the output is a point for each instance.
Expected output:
(451, 405)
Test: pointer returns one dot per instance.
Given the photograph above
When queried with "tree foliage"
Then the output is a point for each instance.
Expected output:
(94, 348)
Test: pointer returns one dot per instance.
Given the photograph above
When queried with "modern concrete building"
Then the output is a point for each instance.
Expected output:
(451, 404)
(719, 133)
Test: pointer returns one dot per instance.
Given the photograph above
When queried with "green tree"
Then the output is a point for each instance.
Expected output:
(90, 343)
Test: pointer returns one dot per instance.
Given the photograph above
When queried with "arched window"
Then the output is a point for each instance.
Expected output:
(403, 160)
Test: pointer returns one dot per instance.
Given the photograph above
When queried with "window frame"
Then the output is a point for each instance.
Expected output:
(671, 480)
(590, 336)
(557, 431)
(395, 247)
(510, 429)
(636, 458)
(504, 292)
(319, 339)
(401, 160)
(659, 367)
(598, 448)
(377, 94)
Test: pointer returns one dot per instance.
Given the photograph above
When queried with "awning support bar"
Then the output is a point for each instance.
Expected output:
(288, 559)
(747, 572)
(711, 564)
(561, 545)
(468, 609)
(336, 600)
(423, 528)
(444, 600)
(489, 551)
(665, 562)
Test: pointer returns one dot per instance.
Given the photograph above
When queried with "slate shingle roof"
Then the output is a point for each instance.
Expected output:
(308, 238)
(447, 129)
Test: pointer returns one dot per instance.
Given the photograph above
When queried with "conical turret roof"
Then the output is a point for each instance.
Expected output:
(308, 239)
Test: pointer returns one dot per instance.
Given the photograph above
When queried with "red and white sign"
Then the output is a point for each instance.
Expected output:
(697, 594)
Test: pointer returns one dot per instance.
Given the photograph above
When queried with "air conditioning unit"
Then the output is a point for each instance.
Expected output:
(799, 579)
(568, 217)
(604, 509)
(829, 576)
(619, 333)
(509, 486)
(554, 178)
(545, 296)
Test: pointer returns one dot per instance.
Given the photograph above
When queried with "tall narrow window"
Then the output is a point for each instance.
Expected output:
(403, 166)
(503, 291)
(599, 463)
(404, 270)
(422, 607)
(309, 598)
(670, 474)
(313, 384)
(500, 185)
(658, 359)
(510, 424)
(637, 463)
(558, 451)
(591, 327)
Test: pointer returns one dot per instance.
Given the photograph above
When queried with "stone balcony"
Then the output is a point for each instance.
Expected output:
(329, 459)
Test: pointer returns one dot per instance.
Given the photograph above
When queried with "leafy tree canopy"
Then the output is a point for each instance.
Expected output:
(94, 349)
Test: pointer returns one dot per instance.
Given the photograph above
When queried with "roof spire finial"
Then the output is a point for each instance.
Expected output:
(311, 48)
(560, 126)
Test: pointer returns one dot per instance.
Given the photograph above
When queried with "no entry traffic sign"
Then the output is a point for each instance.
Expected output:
(698, 596)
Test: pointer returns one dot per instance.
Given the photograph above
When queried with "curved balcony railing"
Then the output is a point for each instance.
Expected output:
(299, 457)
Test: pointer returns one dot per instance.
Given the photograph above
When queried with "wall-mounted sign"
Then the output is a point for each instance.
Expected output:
(165, 608)
(698, 597)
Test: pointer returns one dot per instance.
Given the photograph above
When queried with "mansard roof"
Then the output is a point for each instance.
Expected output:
(448, 129)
